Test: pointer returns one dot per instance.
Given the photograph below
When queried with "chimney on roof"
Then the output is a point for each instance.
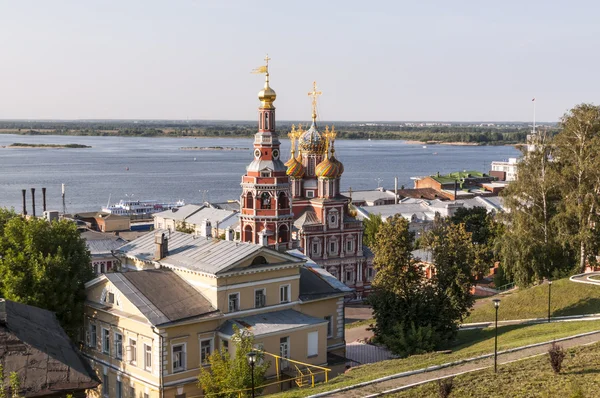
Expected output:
(395, 190)
(33, 201)
(44, 199)
(229, 234)
(24, 191)
(161, 244)
(206, 228)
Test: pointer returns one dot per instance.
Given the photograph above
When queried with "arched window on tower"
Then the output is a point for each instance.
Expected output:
(265, 201)
(284, 235)
(266, 121)
(249, 201)
(282, 201)
(247, 234)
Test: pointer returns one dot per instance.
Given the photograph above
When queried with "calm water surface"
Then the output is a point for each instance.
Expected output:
(155, 168)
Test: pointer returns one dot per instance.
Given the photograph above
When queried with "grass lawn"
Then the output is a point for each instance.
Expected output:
(469, 343)
(527, 378)
(364, 322)
(568, 298)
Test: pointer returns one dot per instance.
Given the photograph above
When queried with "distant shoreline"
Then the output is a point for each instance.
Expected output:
(212, 148)
(20, 145)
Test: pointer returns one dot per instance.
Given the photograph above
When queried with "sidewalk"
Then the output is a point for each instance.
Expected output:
(407, 378)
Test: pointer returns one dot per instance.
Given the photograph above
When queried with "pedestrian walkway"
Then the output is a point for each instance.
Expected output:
(586, 278)
(362, 353)
(397, 382)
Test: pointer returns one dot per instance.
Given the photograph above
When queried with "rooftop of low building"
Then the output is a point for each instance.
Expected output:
(36, 347)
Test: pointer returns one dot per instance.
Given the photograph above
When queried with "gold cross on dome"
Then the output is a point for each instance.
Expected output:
(314, 94)
(267, 59)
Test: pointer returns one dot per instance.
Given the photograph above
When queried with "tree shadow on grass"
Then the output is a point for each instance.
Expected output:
(588, 305)
(582, 372)
(470, 337)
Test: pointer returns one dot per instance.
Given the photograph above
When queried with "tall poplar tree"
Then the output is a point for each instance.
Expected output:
(577, 150)
(531, 248)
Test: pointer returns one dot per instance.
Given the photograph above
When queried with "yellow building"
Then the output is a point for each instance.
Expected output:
(177, 297)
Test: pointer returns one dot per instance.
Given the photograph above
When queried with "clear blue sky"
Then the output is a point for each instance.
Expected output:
(374, 60)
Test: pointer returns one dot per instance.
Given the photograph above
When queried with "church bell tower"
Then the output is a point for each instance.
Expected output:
(266, 212)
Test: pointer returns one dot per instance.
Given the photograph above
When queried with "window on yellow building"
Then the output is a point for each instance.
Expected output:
(205, 350)
(105, 341)
(313, 344)
(329, 326)
(260, 299)
(132, 351)
(284, 294)
(148, 357)
(178, 357)
(119, 345)
(234, 302)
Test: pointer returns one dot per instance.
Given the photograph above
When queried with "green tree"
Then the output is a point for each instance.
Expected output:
(227, 375)
(530, 248)
(185, 228)
(45, 265)
(577, 156)
(371, 227)
(454, 259)
(400, 296)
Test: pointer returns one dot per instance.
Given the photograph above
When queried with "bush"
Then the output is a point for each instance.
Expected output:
(557, 355)
(412, 340)
(445, 387)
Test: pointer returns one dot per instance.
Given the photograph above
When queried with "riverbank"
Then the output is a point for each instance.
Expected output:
(20, 145)
(212, 148)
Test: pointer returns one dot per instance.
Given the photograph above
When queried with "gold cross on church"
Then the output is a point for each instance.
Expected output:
(267, 59)
(314, 94)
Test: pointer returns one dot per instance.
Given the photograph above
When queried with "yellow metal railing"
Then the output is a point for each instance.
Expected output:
(299, 380)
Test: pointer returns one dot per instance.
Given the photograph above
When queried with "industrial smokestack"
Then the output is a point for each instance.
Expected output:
(33, 201)
(44, 198)
(24, 202)
(396, 190)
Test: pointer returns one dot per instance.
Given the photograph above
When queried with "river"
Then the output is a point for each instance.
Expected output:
(157, 169)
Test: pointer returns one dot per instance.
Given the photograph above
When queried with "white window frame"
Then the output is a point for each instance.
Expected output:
(229, 303)
(329, 320)
(147, 366)
(310, 194)
(119, 392)
(183, 359)
(315, 248)
(264, 290)
(310, 354)
(370, 273)
(93, 341)
(352, 276)
(105, 385)
(132, 356)
(289, 293)
(105, 346)
(118, 355)
(349, 246)
(333, 243)
(211, 349)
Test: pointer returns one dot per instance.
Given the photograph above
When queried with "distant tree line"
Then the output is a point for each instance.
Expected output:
(508, 134)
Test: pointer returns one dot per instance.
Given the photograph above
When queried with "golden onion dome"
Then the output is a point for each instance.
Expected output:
(295, 168)
(267, 95)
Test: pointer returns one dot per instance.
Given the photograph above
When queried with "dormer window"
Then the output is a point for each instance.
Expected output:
(110, 298)
(265, 173)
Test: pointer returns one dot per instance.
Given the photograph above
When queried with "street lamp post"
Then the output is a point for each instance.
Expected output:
(496, 305)
(549, 293)
(251, 360)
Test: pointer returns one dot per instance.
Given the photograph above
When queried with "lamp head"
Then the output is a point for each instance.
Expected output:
(549, 282)
(496, 302)
(251, 357)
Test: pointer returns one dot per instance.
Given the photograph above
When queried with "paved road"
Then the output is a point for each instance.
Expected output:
(467, 367)
(585, 278)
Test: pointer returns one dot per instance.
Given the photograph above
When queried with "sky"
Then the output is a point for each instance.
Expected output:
(373, 60)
